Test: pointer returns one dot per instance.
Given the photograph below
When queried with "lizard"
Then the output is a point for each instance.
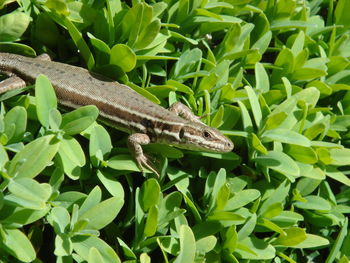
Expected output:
(119, 105)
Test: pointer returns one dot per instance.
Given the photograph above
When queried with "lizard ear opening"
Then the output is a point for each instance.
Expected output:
(182, 133)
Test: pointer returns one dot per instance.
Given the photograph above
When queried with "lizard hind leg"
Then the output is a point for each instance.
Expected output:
(183, 111)
(11, 83)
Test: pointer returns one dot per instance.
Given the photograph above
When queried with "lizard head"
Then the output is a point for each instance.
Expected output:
(200, 137)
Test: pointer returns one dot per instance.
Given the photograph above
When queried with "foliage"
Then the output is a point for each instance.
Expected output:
(274, 75)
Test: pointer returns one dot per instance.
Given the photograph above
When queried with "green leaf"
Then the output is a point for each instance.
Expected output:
(151, 222)
(59, 218)
(79, 41)
(78, 120)
(94, 255)
(123, 57)
(247, 121)
(187, 245)
(242, 198)
(148, 34)
(100, 144)
(337, 175)
(279, 162)
(114, 187)
(18, 245)
(82, 245)
(24, 216)
(13, 25)
(261, 78)
(34, 157)
(338, 242)
(286, 136)
(257, 144)
(58, 5)
(260, 250)
(46, 100)
(103, 213)
(314, 202)
(254, 103)
(187, 62)
(93, 199)
(149, 194)
(293, 237)
(312, 241)
(230, 239)
(341, 16)
(217, 120)
(3, 157)
(29, 193)
(248, 228)
(301, 153)
(206, 244)
(340, 156)
(102, 50)
(15, 124)
(275, 120)
(273, 210)
(277, 196)
(123, 162)
(72, 156)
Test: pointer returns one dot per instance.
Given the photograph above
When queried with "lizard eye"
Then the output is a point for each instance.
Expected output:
(206, 134)
(181, 133)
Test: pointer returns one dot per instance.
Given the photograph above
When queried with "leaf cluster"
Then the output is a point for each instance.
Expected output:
(273, 75)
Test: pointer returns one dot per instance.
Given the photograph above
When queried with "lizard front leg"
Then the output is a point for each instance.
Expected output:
(11, 83)
(183, 111)
(134, 142)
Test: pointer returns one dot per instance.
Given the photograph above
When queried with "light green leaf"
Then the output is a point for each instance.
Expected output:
(46, 100)
(340, 156)
(59, 218)
(187, 245)
(286, 136)
(82, 245)
(94, 256)
(255, 105)
(312, 241)
(114, 187)
(314, 202)
(261, 78)
(279, 162)
(260, 249)
(34, 157)
(151, 222)
(149, 194)
(301, 153)
(337, 175)
(13, 25)
(123, 57)
(242, 198)
(344, 232)
(29, 193)
(78, 120)
(72, 157)
(18, 245)
(100, 144)
(103, 213)
(293, 237)
(206, 244)
(15, 124)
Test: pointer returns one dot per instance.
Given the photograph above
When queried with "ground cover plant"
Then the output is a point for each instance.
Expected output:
(273, 75)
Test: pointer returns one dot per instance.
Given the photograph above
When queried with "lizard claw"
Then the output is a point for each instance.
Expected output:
(144, 161)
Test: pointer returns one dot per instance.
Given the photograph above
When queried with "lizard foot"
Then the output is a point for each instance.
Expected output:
(145, 161)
